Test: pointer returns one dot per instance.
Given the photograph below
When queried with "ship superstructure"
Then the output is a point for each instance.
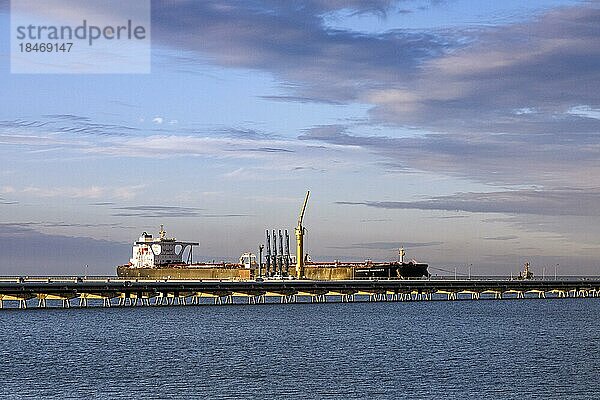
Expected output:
(149, 252)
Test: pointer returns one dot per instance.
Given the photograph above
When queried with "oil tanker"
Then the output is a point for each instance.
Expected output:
(162, 258)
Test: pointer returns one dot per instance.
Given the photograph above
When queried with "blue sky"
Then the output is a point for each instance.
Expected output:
(466, 131)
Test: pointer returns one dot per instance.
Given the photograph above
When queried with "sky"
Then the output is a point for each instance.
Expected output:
(466, 131)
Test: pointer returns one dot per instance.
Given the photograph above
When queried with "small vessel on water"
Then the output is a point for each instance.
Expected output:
(162, 258)
(526, 273)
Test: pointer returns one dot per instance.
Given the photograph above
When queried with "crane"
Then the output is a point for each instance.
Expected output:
(300, 241)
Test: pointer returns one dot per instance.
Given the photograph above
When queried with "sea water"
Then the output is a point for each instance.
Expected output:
(507, 349)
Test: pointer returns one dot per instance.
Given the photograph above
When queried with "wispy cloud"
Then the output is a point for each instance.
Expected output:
(387, 245)
(7, 202)
(152, 211)
(87, 192)
(502, 238)
(300, 99)
(75, 125)
(217, 143)
(226, 215)
(61, 224)
(552, 202)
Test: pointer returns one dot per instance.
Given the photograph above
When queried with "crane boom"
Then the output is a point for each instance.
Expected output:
(301, 217)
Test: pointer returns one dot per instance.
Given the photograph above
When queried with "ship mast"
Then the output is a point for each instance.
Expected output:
(300, 230)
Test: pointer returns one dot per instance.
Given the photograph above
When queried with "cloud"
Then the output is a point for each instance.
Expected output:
(124, 104)
(226, 215)
(91, 192)
(222, 143)
(3, 201)
(387, 245)
(151, 211)
(550, 202)
(157, 120)
(168, 212)
(508, 159)
(292, 41)
(502, 238)
(61, 224)
(299, 99)
(50, 126)
(380, 7)
(167, 146)
(269, 150)
(504, 104)
(245, 133)
(87, 192)
(25, 251)
(465, 79)
(547, 66)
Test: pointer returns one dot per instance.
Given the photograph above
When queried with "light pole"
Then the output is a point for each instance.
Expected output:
(555, 271)
(470, 265)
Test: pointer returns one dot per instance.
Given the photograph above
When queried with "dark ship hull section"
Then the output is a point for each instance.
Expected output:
(392, 271)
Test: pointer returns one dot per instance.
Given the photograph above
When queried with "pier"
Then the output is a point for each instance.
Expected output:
(66, 292)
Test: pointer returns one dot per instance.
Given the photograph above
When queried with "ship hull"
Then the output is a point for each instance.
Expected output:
(319, 272)
(184, 272)
(393, 271)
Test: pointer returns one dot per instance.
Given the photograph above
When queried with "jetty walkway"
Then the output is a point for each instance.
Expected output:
(41, 292)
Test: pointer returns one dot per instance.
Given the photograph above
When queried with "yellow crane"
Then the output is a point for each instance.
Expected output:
(300, 241)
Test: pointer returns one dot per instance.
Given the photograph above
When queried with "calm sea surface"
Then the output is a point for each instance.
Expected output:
(467, 349)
